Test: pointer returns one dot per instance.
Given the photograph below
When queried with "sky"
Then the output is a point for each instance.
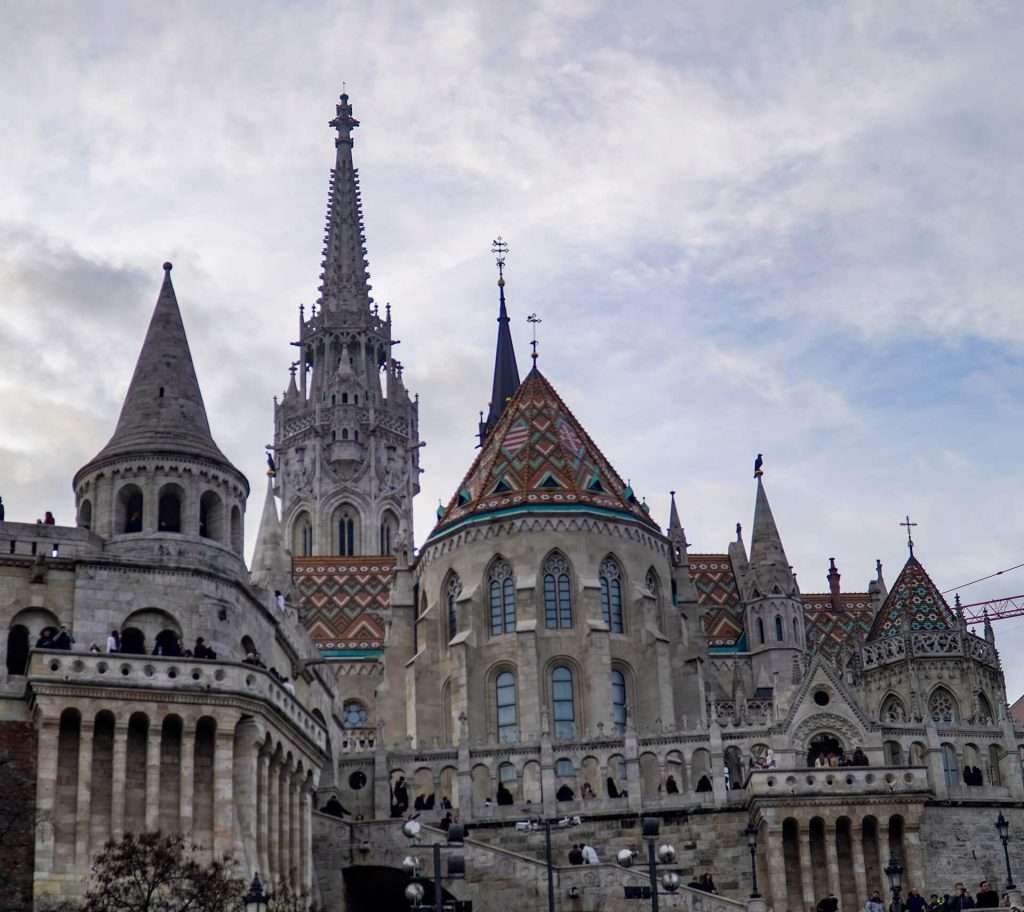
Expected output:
(788, 228)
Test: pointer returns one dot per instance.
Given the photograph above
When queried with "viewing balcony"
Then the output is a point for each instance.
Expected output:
(165, 674)
(844, 780)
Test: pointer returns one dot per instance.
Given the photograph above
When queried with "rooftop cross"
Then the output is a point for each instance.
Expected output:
(499, 247)
(533, 319)
(910, 542)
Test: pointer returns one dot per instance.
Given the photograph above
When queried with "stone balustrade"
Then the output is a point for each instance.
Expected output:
(855, 780)
(357, 740)
(182, 675)
(929, 644)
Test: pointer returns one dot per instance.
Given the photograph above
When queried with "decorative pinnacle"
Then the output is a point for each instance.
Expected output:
(533, 320)
(344, 122)
(168, 267)
(499, 247)
(910, 542)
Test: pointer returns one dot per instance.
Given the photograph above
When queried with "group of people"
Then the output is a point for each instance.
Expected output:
(704, 883)
(587, 793)
(583, 853)
(857, 758)
(959, 901)
(973, 776)
(51, 638)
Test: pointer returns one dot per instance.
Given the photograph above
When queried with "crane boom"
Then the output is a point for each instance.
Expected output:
(997, 609)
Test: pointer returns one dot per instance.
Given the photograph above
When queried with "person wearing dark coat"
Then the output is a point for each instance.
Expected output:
(829, 904)
(400, 797)
(334, 807)
(859, 758)
(987, 898)
(45, 640)
(703, 784)
(445, 822)
(613, 791)
(63, 640)
(671, 787)
(575, 855)
(564, 793)
(504, 795)
(915, 902)
(960, 900)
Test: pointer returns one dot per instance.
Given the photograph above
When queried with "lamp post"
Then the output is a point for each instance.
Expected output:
(1003, 826)
(256, 900)
(751, 833)
(664, 854)
(456, 863)
(894, 871)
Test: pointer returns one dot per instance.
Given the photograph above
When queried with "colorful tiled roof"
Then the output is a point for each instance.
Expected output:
(831, 629)
(913, 600)
(343, 601)
(719, 595)
(538, 454)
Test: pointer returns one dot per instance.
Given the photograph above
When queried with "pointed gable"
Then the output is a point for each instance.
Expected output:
(538, 454)
(915, 603)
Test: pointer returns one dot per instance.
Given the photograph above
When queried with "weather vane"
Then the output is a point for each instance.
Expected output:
(499, 247)
(910, 542)
(533, 320)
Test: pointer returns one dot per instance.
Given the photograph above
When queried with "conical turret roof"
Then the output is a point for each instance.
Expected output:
(765, 541)
(506, 371)
(163, 409)
(538, 456)
(914, 603)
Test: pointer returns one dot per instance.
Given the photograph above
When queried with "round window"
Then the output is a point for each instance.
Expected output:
(357, 780)
(822, 698)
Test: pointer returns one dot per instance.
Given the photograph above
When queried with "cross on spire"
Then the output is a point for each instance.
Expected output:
(910, 541)
(533, 320)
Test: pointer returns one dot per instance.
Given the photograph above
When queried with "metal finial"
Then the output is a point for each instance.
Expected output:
(499, 247)
(533, 320)
(910, 541)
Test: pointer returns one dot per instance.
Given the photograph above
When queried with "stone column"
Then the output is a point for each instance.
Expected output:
(262, 812)
(83, 816)
(119, 782)
(48, 735)
(776, 863)
(273, 818)
(153, 774)
(295, 796)
(284, 825)
(860, 871)
(223, 789)
(883, 859)
(307, 840)
(806, 870)
(832, 862)
(913, 860)
(186, 788)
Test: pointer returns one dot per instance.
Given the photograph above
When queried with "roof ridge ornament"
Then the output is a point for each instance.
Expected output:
(534, 320)
(910, 541)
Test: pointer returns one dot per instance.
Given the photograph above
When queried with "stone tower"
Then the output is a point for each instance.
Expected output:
(346, 435)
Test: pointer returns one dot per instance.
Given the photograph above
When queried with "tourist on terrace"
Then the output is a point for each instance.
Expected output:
(202, 651)
(987, 898)
(960, 899)
(915, 902)
(49, 520)
(63, 640)
(707, 883)
(334, 807)
(504, 795)
(576, 854)
(590, 854)
(829, 904)
(859, 758)
(874, 904)
(671, 786)
(114, 642)
(564, 793)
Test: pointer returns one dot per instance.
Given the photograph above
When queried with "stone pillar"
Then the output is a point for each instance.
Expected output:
(806, 870)
(307, 840)
(295, 796)
(667, 706)
(262, 811)
(120, 779)
(153, 774)
(913, 860)
(860, 871)
(883, 859)
(83, 816)
(186, 788)
(273, 818)
(776, 863)
(284, 825)
(48, 736)
(832, 862)
(224, 790)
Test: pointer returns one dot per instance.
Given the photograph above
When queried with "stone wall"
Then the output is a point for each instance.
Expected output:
(961, 843)
(17, 813)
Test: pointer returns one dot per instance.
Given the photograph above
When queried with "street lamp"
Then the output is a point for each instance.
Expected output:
(751, 833)
(414, 894)
(894, 871)
(1003, 826)
(256, 900)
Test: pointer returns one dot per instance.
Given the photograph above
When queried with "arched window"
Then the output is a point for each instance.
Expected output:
(950, 765)
(345, 520)
(893, 753)
(17, 650)
(893, 712)
(388, 532)
(129, 509)
(508, 716)
(85, 514)
(760, 631)
(452, 591)
(302, 536)
(353, 714)
(502, 591)
(618, 701)
(796, 630)
(344, 433)
(237, 536)
(344, 398)
(778, 628)
(563, 704)
(942, 706)
(211, 516)
(169, 508)
(611, 594)
(985, 715)
(133, 641)
(557, 593)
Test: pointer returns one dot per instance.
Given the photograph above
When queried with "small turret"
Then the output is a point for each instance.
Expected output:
(506, 370)
(833, 582)
(676, 532)
(271, 569)
(769, 567)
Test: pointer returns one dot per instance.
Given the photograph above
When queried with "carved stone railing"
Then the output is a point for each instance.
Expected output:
(928, 644)
(838, 781)
(169, 674)
(357, 740)
(729, 713)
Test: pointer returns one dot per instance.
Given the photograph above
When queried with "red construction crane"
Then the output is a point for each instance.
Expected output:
(997, 609)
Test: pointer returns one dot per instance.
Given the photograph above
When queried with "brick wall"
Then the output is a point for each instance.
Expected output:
(17, 824)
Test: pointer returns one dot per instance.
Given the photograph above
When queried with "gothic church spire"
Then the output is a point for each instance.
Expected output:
(506, 371)
(344, 281)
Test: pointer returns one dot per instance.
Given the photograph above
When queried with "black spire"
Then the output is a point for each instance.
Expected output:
(506, 371)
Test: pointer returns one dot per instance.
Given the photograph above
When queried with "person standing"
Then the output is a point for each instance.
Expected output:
(916, 902)
(590, 855)
(960, 900)
(576, 854)
(114, 642)
(829, 904)
(987, 898)
(874, 904)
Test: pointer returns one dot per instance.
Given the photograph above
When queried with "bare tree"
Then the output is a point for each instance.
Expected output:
(17, 835)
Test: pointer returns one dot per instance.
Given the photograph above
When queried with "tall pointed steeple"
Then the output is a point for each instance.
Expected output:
(344, 282)
(676, 533)
(163, 409)
(506, 371)
(765, 541)
(270, 568)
